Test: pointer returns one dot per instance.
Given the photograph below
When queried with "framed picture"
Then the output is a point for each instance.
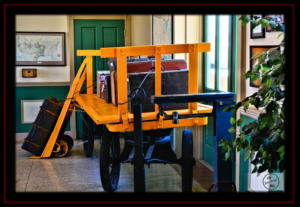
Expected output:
(258, 31)
(162, 31)
(255, 51)
(278, 19)
(40, 49)
(30, 110)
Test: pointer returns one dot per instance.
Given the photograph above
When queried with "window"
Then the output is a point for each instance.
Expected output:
(219, 66)
(220, 62)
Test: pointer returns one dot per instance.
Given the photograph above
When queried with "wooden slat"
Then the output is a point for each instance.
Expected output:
(152, 125)
(89, 75)
(100, 111)
(150, 49)
(104, 113)
(193, 73)
(88, 53)
(157, 74)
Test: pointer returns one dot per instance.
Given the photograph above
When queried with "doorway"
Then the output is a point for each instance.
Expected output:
(91, 35)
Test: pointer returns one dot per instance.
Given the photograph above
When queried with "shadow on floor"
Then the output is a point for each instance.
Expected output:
(77, 173)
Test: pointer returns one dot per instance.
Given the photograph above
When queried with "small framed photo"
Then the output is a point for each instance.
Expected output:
(255, 52)
(278, 19)
(40, 49)
(258, 31)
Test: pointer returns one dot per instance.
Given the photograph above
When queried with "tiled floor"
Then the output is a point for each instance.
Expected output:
(77, 173)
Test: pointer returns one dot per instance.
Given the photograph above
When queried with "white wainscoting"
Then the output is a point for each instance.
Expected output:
(45, 75)
(30, 110)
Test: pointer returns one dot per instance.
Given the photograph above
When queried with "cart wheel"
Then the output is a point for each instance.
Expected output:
(110, 160)
(88, 136)
(187, 161)
(63, 146)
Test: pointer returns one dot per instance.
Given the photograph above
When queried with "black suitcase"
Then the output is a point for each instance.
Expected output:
(172, 82)
(43, 126)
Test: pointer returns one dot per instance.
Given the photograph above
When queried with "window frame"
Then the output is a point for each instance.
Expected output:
(232, 54)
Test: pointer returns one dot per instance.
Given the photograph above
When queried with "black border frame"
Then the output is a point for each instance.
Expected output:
(9, 196)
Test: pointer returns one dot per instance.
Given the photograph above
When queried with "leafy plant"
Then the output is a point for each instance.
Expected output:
(266, 146)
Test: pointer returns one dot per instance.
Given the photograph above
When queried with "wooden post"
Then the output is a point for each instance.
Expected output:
(157, 74)
(122, 85)
(193, 73)
(89, 73)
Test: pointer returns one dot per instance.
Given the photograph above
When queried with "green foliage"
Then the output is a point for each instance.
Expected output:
(266, 148)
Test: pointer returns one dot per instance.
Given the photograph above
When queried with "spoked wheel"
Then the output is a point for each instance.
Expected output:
(187, 161)
(63, 146)
(110, 160)
(88, 135)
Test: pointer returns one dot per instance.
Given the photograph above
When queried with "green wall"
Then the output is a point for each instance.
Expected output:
(244, 165)
(36, 93)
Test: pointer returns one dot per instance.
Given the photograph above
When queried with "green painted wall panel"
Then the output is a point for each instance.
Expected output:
(36, 93)
(244, 165)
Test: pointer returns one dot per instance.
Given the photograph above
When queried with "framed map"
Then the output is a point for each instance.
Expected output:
(40, 48)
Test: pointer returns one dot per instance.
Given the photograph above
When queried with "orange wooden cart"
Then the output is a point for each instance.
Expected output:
(117, 119)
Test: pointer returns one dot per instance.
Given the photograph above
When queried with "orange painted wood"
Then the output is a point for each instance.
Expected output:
(193, 73)
(157, 74)
(105, 113)
(89, 75)
(88, 53)
(53, 137)
(153, 125)
(150, 49)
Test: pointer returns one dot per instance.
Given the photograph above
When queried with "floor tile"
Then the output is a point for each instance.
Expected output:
(78, 173)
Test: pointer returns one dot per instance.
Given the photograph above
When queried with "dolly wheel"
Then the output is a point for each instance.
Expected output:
(62, 146)
(187, 161)
(110, 161)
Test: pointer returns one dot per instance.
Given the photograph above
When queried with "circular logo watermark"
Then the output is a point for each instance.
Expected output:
(271, 181)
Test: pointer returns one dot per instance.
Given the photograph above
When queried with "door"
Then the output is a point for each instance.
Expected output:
(95, 34)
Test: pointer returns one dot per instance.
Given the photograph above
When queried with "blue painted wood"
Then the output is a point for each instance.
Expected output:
(184, 98)
(223, 169)
(208, 145)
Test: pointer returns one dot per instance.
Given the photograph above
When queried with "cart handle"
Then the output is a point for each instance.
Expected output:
(198, 97)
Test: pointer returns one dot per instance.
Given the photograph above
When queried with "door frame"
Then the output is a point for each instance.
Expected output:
(70, 39)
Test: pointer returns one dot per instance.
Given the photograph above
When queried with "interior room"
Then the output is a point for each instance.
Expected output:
(51, 50)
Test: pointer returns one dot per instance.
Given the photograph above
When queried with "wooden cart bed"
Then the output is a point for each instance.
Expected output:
(107, 113)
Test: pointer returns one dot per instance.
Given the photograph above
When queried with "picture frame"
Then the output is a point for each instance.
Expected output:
(40, 49)
(29, 110)
(254, 51)
(258, 31)
(279, 19)
(162, 31)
